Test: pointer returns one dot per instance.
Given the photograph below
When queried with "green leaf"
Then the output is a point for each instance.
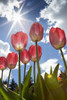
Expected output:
(54, 88)
(26, 82)
(56, 71)
(8, 94)
(1, 97)
(16, 89)
(51, 70)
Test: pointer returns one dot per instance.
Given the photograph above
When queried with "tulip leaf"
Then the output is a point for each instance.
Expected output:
(26, 82)
(55, 72)
(54, 88)
(51, 70)
(8, 94)
(1, 97)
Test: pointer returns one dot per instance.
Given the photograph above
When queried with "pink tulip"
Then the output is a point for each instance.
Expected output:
(12, 59)
(32, 52)
(24, 57)
(57, 38)
(19, 41)
(36, 32)
(3, 63)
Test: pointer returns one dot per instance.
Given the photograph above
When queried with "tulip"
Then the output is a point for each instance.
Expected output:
(32, 52)
(33, 57)
(19, 41)
(58, 40)
(36, 32)
(25, 58)
(12, 59)
(3, 65)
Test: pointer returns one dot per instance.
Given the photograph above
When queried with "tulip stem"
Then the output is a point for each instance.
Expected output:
(8, 78)
(19, 75)
(2, 75)
(63, 60)
(34, 72)
(24, 71)
(39, 73)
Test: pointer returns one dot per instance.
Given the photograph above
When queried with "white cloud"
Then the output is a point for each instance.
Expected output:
(5, 74)
(7, 8)
(48, 1)
(65, 57)
(47, 65)
(64, 52)
(45, 39)
(56, 13)
(4, 48)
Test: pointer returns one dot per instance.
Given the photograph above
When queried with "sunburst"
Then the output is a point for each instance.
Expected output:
(17, 18)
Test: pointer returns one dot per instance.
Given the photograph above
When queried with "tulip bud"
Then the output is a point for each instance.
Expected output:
(32, 52)
(24, 57)
(19, 41)
(3, 63)
(57, 38)
(36, 32)
(12, 59)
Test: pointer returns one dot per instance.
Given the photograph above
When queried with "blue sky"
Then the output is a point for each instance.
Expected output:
(48, 13)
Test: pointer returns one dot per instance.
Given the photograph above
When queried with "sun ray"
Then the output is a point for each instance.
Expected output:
(33, 8)
(17, 15)
(27, 20)
(5, 23)
(10, 29)
(22, 26)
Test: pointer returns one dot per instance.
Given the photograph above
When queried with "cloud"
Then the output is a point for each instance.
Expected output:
(65, 57)
(56, 13)
(47, 65)
(4, 48)
(5, 74)
(7, 8)
(64, 52)
(4, 1)
(48, 1)
(45, 39)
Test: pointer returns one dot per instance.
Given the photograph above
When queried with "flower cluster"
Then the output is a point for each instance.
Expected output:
(19, 42)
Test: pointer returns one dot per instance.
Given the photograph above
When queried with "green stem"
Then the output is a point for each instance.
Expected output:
(34, 72)
(8, 78)
(24, 71)
(63, 60)
(19, 74)
(2, 75)
(39, 73)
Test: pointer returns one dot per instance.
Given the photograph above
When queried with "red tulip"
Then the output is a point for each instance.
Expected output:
(24, 57)
(57, 38)
(36, 32)
(32, 52)
(19, 41)
(12, 59)
(3, 63)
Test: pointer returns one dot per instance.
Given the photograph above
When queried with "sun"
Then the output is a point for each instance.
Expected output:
(17, 17)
